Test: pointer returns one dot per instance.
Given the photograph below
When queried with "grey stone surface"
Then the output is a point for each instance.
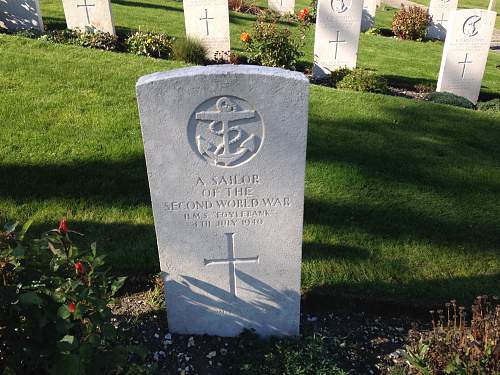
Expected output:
(208, 22)
(465, 52)
(368, 15)
(338, 24)
(89, 14)
(225, 151)
(440, 11)
(282, 6)
(18, 15)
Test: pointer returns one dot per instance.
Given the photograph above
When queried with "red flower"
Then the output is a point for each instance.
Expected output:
(63, 226)
(245, 37)
(303, 13)
(79, 267)
(71, 307)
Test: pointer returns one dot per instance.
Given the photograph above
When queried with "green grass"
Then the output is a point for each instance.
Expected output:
(397, 60)
(402, 197)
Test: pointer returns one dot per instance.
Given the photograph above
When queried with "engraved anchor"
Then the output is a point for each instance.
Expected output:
(226, 112)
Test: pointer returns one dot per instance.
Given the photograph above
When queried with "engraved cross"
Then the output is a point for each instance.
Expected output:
(464, 63)
(206, 19)
(337, 41)
(442, 20)
(231, 261)
(86, 6)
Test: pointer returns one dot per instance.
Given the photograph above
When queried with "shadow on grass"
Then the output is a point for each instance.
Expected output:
(146, 5)
(374, 297)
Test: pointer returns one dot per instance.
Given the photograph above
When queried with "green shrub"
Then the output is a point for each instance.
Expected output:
(55, 314)
(338, 75)
(189, 50)
(272, 44)
(307, 356)
(362, 80)
(97, 39)
(455, 345)
(149, 44)
(410, 23)
(489, 106)
(450, 99)
(60, 36)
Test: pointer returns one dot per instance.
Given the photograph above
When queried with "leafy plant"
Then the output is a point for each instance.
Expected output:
(410, 23)
(338, 75)
(450, 99)
(271, 44)
(149, 44)
(55, 314)
(456, 345)
(244, 6)
(307, 356)
(489, 106)
(189, 50)
(96, 39)
(361, 80)
(60, 36)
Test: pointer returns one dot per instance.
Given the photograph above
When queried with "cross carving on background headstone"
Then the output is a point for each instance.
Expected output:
(337, 41)
(206, 20)
(232, 261)
(464, 63)
(442, 19)
(86, 6)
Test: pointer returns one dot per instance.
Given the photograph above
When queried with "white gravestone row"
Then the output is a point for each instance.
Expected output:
(368, 16)
(208, 22)
(440, 11)
(336, 41)
(282, 7)
(225, 153)
(89, 15)
(20, 15)
(465, 52)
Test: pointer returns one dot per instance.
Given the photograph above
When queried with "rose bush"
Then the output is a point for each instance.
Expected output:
(55, 311)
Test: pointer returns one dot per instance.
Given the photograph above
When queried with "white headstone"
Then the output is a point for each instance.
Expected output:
(440, 11)
(18, 15)
(208, 22)
(465, 52)
(368, 16)
(492, 5)
(338, 24)
(225, 152)
(89, 14)
(282, 6)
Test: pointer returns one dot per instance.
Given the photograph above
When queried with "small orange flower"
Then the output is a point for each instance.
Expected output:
(245, 37)
(79, 267)
(303, 13)
(71, 307)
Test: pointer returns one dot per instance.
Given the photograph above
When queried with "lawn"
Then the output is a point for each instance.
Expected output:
(397, 60)
(402, 197)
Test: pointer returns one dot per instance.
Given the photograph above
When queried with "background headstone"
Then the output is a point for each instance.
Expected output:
(368, 15)
(20, 15)
(492, 5)
(89, 14)
(282, 6)
(225, 150)
(440, 11)
(208, 22)
(465, 52)
(338, 24)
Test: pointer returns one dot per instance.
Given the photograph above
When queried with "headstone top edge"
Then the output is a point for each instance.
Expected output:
(221, 70)
(475, 10)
